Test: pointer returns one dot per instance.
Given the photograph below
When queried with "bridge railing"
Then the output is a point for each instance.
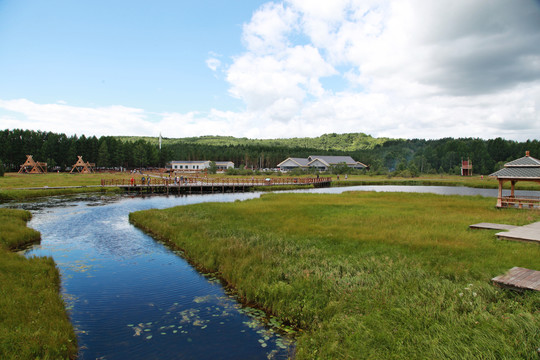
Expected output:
(204, 181)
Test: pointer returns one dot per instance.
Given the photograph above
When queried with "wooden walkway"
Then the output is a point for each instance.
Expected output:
(530, 233)
(200, 185)
(519, 278)
(492, 226)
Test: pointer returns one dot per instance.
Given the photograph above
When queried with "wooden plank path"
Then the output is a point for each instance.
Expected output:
(199, 185)
(529, 233)
(492, 226)
(519, 278)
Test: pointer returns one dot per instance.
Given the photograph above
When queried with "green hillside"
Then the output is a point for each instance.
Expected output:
(327, 142)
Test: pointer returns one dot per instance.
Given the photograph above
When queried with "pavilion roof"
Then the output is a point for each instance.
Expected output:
(524, 161)
(526, 167)
(518, 173)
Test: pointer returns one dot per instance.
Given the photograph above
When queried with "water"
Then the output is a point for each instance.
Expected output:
(441, 190)
(131, 297)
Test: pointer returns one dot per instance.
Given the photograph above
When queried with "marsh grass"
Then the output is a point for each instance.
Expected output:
(369, 275)
(33, 320)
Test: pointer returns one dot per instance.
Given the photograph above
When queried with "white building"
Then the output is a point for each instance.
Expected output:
(199, 165)
(190, 165)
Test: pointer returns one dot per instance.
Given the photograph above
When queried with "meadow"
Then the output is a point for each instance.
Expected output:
(368, 275)
(14, 186)
(33, 319)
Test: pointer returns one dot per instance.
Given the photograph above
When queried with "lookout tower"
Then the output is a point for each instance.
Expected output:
(466, 167)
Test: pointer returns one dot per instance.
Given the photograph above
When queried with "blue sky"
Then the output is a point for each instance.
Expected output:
(132, 53)
(261, 69)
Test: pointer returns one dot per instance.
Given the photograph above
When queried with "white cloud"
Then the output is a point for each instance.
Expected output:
(406, 68)
(62, 118)
(415, 69)
(213, 63)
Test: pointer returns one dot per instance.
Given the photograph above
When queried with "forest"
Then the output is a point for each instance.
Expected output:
(383, 155)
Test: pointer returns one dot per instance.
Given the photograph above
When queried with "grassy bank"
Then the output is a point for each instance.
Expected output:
(369, 275)
(15, 186)
(33, 320)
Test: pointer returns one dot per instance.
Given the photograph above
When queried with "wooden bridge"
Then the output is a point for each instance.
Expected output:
(202, 185)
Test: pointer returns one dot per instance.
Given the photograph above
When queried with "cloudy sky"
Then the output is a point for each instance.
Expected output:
(263, 69)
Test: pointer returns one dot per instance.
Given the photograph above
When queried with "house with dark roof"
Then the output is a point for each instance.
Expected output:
(319, 162)
(526, 168)
(293, 163)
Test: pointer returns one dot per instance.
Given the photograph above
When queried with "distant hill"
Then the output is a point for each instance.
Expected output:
(326, 142)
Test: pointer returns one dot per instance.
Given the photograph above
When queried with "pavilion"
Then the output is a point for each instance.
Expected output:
(526, 168)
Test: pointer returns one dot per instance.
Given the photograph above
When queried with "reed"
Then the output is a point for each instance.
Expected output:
(33, 320)
(368, 275)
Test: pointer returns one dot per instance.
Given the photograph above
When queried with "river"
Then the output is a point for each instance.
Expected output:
(130, 297)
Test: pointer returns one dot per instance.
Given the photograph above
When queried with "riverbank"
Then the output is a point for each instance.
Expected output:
(369, 275)
(33, 320)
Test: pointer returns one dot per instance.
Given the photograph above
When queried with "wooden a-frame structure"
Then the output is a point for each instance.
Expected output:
(33, 167)
(83, 167)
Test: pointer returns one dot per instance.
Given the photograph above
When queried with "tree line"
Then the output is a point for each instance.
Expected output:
(415, 156)
(60, 151)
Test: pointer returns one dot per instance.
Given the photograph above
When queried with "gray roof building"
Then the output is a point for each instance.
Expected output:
(526, 168)
(320, 162)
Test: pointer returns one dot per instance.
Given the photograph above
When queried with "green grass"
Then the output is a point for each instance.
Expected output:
(14, 186)
(369, 275)
(33, 320)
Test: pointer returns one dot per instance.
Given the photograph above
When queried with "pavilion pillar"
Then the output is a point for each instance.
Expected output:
(512, 188)
(499, 197)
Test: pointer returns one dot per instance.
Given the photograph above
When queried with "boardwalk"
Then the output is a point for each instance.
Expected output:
(200, 185)
(519, 278)
(529, 232)
(492, 226)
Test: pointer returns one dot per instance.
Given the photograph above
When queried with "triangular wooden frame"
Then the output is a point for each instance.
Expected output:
(83, 167)
(33, 167)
